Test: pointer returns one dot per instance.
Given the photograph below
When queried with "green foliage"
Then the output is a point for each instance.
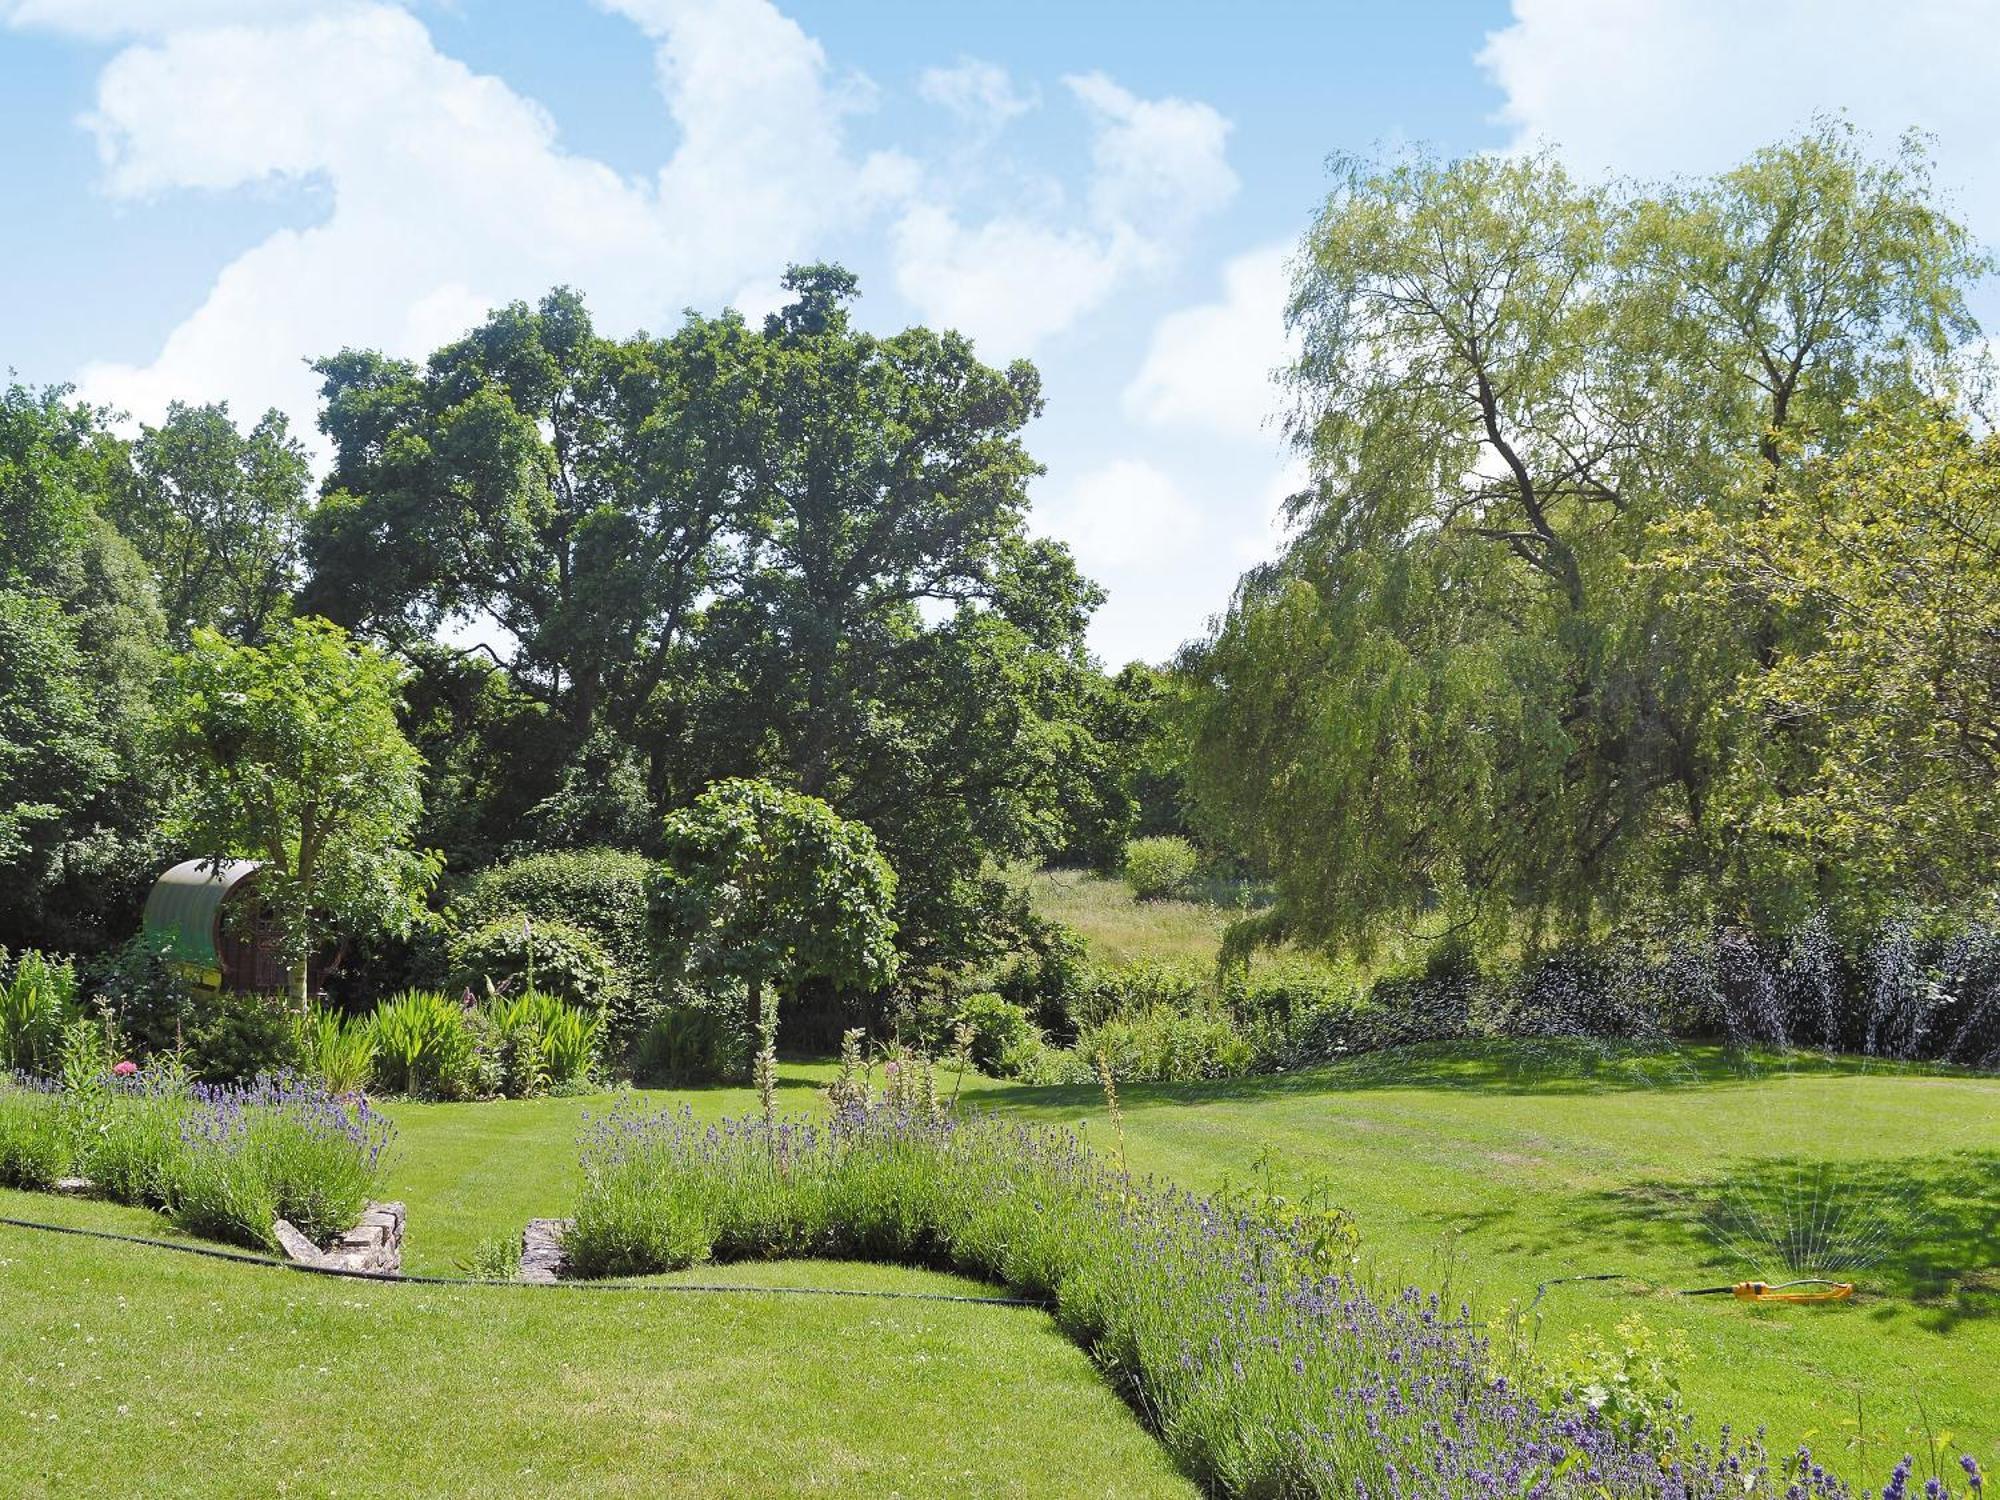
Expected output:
(423, 1046)
(1001, 1030)
(1161, 867)
(535, 1044)
(36, 1146)
(80, 636)
(219, 1037)
(290, 753)
(336, 1049)
(766, 886)
(38, 999)
(517, 952)
(1462, 702)
(602, 891)
(219, 515)
(1631, 1378)
(693, 1043)
(1875, 727)
(711, 554)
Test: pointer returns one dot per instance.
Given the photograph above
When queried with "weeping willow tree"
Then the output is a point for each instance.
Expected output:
(1463, 702)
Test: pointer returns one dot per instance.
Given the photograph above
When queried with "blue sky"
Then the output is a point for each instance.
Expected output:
(200, 194)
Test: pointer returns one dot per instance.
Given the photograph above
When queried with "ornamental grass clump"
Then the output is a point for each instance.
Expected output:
(1267, 1366)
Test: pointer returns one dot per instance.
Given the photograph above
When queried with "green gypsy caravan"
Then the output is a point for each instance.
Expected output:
(215, 928)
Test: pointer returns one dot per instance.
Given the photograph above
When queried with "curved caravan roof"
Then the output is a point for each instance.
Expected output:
(186, 902)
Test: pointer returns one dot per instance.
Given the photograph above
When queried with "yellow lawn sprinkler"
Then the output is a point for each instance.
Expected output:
(1785, 1291)
(1805, 1289)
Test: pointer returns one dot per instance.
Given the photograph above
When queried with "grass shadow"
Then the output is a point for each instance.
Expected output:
(1922, 1231)
(1552, 1067)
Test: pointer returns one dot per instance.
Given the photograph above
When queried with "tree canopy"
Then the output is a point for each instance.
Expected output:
(771, 887)
(1461, 699)
(794, 551)
(290, 754)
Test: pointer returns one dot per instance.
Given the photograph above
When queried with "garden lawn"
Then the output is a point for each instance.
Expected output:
(1496, 1168)
(128, 1371)
(1499, 1169)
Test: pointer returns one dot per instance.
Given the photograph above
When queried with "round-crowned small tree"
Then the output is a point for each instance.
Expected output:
(771, 888)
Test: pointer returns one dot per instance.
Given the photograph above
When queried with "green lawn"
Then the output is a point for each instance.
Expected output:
(1527, 1166)
(128, 1371)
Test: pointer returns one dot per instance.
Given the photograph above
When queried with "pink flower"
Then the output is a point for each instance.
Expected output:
(126, 1068)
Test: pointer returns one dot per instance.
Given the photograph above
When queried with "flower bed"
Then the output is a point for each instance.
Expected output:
(220, 1161)
(1264, 1363)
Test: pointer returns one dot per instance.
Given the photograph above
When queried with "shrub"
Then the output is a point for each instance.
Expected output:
(1168, 1046)
(423, 1046)
(221, 1161)
(233, 1038)
(337, 1050)
(1161, 868)
(35, 1142)
(600, 892)
(695, 1043)
(514, 953)
(1046, 977)
(37, 999)
(1000, 1029)
(278, 1149)
(1268, 1366)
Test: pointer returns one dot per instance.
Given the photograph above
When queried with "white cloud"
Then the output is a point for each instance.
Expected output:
(1158, 164)
(1211, 366)
(1124, 514)
(1008, 283)
(1663, 86)
(104, 20)
(1013, 279)
(450, 193)
(980, 94)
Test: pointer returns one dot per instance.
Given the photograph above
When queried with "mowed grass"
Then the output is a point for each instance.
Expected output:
(128, 1371)
(1496, 1169)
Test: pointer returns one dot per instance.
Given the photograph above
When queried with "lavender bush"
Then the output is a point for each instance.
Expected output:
(1265, 1363)
(219, 1160)
(280, 1148)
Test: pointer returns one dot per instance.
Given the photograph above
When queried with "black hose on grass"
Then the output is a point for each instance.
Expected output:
(269, 1262)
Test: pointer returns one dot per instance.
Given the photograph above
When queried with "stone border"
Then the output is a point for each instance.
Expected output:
(542, 1261)
(374, 1244)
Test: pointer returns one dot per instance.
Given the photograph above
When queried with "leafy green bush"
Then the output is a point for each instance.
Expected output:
(1161, 868)
(1150, 984)
(514, 953)
(1000, 1030)
(37, 999)
(423, 1046)
(338, 1050)
(602, 893)
(1169, 1046)
(699, 1041)
(233, 1038)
